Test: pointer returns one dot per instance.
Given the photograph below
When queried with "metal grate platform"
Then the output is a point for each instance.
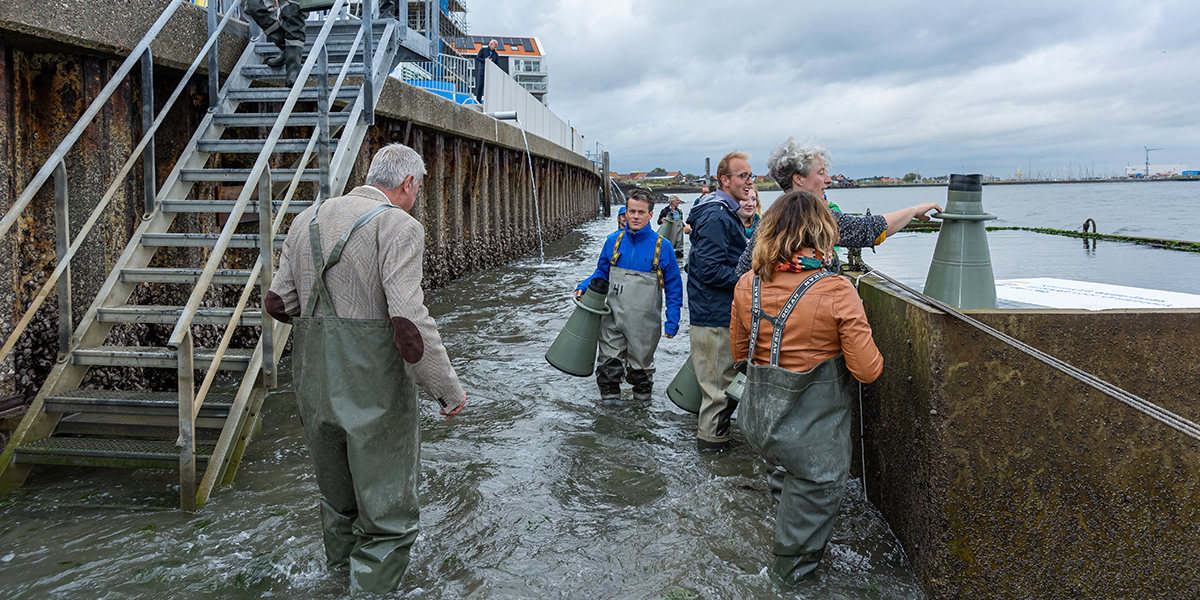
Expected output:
(99, 452)
(133, 403)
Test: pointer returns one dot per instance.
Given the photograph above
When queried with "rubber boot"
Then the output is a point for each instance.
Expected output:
(793, 570)
(291, 57)
(378, 564)
(338, 530)
(725, 418)
(277, 61)
(608, 379)
(643, 384)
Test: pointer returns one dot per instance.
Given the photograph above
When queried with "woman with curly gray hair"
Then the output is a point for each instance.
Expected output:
(803, 166)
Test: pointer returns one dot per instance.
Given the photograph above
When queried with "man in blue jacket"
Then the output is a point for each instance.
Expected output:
(486, 53)
(640, 267)
(718, 238)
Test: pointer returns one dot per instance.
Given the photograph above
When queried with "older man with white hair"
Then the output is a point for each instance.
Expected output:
(805, 166)
(486, 53)
(350, 281)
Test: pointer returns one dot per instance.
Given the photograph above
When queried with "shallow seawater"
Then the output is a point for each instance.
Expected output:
(535, 491)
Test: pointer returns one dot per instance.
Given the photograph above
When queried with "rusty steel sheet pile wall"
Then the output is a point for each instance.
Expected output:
(42, 95)
(476, 202)
(1005, 478)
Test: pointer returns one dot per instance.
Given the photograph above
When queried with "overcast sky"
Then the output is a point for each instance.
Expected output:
(888, 87)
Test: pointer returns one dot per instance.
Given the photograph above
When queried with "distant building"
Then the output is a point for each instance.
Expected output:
(450, 18)
(661, 177)
(1155, 170)
(521, 57)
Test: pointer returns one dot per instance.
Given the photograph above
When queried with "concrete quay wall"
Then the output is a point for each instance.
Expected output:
(1005, 478)
(476, 203)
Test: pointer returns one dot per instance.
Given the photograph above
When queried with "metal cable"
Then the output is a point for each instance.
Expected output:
(1146, 407)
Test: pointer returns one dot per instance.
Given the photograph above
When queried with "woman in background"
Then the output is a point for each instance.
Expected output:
(750, 213)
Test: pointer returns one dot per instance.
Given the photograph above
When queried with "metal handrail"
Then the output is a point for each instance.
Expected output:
(276, 223)
(64, 260)
(376, 69)
(84, 121)
(183, 325)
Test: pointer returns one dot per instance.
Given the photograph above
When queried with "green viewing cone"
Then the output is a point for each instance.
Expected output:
(574, 350)
(961, 271)
(684, 390)
(735, 389)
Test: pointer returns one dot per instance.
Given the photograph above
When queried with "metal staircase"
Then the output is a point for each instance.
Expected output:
(196, 429)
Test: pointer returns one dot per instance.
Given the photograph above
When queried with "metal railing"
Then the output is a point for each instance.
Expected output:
(263, 271)
(456, 70)
(55, 166)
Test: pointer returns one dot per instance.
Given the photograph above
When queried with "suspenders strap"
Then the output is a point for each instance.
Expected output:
(657, 250)
(322, 266)
(778, 322)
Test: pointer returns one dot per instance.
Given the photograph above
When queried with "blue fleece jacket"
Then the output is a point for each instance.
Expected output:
(637, 254)
(718, 238)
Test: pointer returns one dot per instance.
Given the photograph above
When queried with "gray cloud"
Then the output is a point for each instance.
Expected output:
(889, 87)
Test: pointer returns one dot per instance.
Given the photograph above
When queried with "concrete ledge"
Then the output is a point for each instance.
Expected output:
(108, 28)
(112, 29)
(403, 102)
(1005, 478)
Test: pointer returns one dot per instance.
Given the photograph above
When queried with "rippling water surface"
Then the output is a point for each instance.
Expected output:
(535, 491)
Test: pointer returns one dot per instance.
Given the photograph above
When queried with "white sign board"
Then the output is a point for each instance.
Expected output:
(1064, 293)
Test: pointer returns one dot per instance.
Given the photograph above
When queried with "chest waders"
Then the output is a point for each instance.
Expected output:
(800, 422)
(675, 233)
(629, 334)
(358, 405)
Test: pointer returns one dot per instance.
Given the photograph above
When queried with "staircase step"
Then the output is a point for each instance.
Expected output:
(264, 72)
(296, 119)
(279, 94)
(136, 426)
(100, 452)
(334, 44)
(204, 240)
(240, 175)
(226, 206)
(255, 146)
(118, 402)
(344, 27)
(235, 359)
(221, 277)
(251, 317)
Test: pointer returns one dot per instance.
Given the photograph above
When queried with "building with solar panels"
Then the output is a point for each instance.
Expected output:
(521, 57)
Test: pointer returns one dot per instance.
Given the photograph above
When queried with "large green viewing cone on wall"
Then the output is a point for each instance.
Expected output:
(961, 272)
(684, 390)
(574, 350)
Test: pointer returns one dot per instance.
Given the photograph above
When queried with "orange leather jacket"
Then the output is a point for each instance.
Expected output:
(829, 320)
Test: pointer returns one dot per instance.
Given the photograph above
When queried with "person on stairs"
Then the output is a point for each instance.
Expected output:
(282, 23)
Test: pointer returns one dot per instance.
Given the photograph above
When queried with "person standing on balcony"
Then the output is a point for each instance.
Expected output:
(350, 281)
(486, 53)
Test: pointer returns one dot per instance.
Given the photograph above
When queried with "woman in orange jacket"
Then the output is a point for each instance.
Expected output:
(805, 336)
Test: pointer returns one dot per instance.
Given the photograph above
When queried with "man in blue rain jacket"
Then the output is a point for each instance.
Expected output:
(640, 267)
(718, 238)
